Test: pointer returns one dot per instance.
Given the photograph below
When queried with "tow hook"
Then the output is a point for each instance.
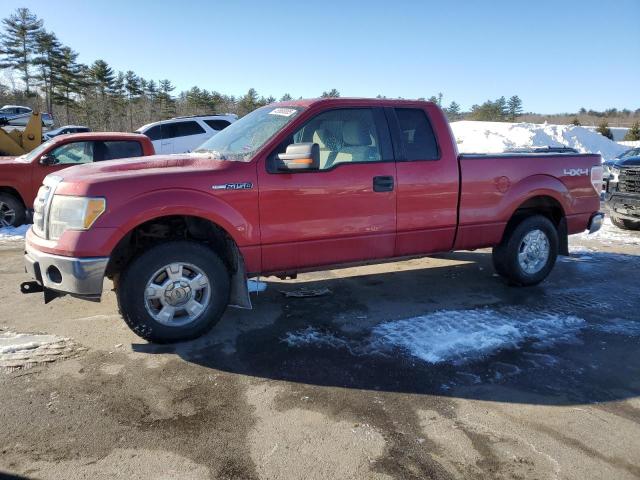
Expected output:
(35, 287)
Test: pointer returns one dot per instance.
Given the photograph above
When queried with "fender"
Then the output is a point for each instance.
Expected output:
(241, 226)
(530, 187)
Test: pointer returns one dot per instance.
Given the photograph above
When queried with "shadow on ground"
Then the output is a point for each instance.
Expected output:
(597, 361)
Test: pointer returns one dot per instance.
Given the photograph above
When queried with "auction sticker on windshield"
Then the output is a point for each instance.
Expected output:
(285, 112)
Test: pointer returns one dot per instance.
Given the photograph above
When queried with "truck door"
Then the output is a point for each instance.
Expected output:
(343, 212)
(427, 178)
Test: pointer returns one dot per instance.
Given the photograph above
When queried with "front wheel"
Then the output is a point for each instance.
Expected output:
(12, 211)
(625, 224)
(527, 252)
(173, 292)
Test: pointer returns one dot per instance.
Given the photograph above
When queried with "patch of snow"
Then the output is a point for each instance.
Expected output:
(457, 336)
(619, 326)
(23, 350)
(13, 233)
(610, 234)
(256, 286)
(493, 137)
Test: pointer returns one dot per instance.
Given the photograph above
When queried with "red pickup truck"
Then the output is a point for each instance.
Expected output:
(20, 177)
(291, 187)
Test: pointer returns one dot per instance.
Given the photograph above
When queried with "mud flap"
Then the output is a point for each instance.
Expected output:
(563, 238)
(239, 295)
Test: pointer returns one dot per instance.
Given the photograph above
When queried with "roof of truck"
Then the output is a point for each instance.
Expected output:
(307, 102)
(100, 136)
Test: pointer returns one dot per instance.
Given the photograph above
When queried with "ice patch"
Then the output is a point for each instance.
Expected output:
(256, 286)
(24, 350)
(619, 326)
(13, 233)
(457, 336)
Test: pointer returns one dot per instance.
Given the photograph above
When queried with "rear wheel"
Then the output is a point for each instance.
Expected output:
(173, 292)
(625, 224)
(12, 211)
(527, 252)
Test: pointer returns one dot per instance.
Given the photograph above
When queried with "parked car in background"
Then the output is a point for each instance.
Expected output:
(65, 130)
(18, 116)
(20, 177)
(622, 190)
(185, 134)
(339, 181)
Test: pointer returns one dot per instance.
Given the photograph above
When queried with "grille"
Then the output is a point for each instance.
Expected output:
(41, 205)
(629, 180)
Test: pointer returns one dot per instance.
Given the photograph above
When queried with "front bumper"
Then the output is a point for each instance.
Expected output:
(626, 206)
(82, 277)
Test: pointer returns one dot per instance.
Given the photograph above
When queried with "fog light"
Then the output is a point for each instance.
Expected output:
(54, 274)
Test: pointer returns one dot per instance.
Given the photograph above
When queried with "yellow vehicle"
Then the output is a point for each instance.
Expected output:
(18, 142)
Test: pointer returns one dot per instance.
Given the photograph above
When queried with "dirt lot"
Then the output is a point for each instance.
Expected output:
(428, 368)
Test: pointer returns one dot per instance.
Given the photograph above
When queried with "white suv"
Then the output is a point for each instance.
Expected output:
(184, 134)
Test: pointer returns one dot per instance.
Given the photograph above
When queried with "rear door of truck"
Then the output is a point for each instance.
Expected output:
(427, 179)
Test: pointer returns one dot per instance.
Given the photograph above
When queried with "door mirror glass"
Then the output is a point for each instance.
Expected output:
(300, 156)
(48, 160)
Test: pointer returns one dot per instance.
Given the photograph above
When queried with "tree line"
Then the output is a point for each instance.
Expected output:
(41, 72)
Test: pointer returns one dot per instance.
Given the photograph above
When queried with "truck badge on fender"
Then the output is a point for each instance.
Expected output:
(576, 172)
(233, 186)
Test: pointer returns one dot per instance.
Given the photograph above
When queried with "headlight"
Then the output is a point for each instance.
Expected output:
(73, 213)
(615, 174)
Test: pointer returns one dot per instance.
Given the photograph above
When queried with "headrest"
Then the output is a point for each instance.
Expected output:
(355, 134)
(325, 139)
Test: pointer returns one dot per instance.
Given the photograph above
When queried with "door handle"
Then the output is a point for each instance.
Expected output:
(383, 184)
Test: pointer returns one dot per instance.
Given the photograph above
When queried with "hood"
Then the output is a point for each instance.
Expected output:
(627, 162)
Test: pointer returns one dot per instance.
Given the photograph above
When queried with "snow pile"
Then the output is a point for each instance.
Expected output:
(457, 336)
(609, 234)
(493, 137)
(13, 233)
(24, 350)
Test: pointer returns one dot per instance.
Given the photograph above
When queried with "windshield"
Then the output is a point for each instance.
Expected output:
(242, 139)
(36, 152)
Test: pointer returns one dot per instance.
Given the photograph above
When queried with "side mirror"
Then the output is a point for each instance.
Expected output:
(300, 156)
(48, 160)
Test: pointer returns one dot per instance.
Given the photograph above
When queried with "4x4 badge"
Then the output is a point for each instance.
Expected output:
(233, 186)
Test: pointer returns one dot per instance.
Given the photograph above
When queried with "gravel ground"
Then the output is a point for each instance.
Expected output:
(429, 368)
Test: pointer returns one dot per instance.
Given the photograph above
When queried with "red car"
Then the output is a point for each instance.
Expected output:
(292, 187)
(20, 177)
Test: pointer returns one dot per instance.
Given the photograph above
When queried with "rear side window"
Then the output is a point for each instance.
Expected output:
(184, 129)
(116, 149)
(217, 124)
(417, 134)
(154, 133)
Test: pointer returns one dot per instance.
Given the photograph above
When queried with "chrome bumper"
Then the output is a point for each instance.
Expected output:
(595, 222)
(81, 277)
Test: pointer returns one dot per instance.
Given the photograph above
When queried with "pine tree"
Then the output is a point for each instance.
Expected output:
(103, 79)
(167, 102)
(333, 93)
(604, 130)
(576, 122)
(285, 98)
(633, 134)
(514, 108)
(453, 111)
(249, 102)
(18, 43)
(49, 61)
(133, 89)
(70, 79)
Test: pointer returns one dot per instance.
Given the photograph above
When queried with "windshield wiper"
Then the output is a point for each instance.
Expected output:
(214, 153)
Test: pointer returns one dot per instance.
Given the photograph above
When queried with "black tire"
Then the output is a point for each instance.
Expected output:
(505, 255)
(625, 224)
(12, 211)
(132, 287)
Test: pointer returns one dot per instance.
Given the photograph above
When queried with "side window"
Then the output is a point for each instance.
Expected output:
(116, 149)
(217, 124)
(154, 133)
(417, 134)
(184, 129)
(73, 153)
(344, 136)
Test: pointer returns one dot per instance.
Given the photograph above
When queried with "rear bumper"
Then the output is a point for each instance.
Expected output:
(82, 277)
(624, 206)
(595, 222)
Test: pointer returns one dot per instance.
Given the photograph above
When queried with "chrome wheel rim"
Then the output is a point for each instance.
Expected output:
(533, 252)
(177, 294)
(7, 215)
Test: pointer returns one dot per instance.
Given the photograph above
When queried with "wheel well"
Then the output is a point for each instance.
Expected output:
(13, 192)
(542, 205)
(175, 227)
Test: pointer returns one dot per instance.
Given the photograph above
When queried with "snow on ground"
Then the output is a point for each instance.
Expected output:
(24, 350)
(457, 336)
(13, 233)
(493, 137)
(609, 234)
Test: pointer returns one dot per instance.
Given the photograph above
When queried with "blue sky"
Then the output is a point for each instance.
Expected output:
(556, 55)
